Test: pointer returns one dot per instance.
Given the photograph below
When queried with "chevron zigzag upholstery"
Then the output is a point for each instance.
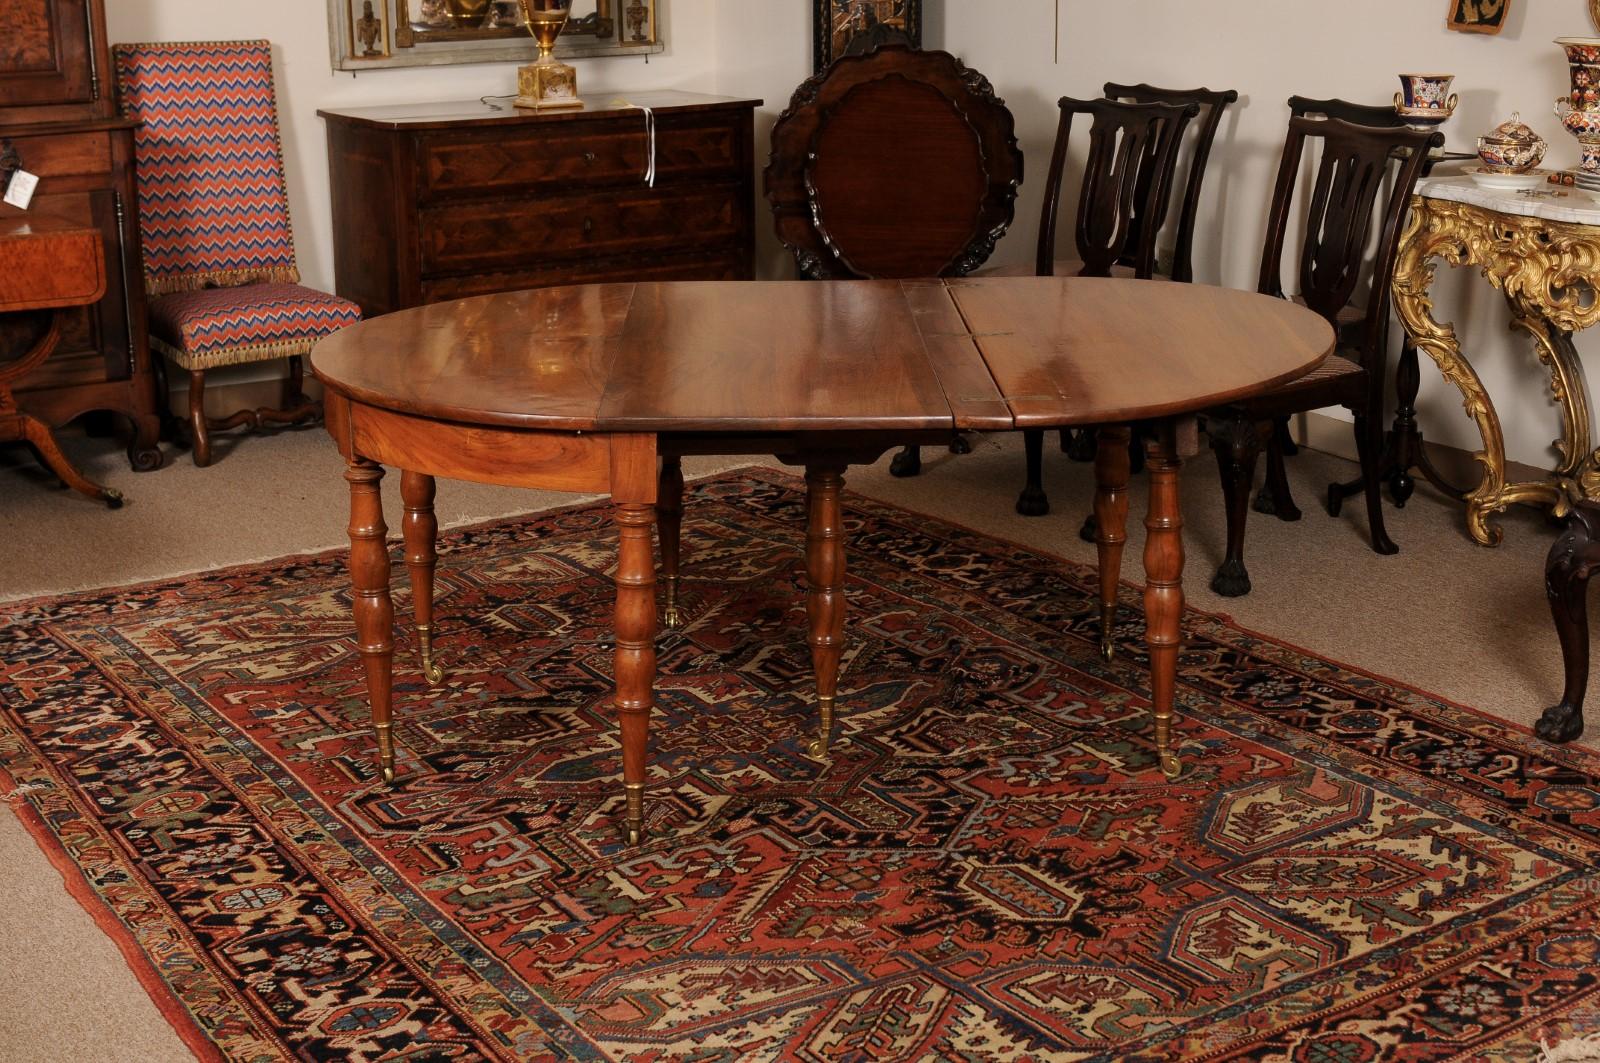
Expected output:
(211, 327)
(213, 208)
(214, 216)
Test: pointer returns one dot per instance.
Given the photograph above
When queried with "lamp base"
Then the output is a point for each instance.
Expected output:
(547, 85)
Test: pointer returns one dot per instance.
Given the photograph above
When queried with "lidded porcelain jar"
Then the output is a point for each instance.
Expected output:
(1511, 148)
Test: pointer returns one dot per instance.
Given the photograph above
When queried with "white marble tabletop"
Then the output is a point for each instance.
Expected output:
(1550, 202)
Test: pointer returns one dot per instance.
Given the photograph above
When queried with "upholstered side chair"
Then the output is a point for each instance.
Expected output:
(219, 259)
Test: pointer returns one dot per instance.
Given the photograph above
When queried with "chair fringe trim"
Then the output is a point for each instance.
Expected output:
(228, 278)
(261, 352)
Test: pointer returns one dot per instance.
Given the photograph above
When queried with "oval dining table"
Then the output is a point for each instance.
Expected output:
(602, 389)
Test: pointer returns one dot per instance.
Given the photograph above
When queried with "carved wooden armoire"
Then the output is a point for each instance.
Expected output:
(58, 115)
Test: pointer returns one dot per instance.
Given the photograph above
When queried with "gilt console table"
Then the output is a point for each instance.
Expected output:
(1541, 250)
(585, 388)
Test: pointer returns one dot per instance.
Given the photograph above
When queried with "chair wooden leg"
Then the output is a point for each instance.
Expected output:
(1572, 561)
(907, 463)
(1238, 442)
(825, 567)
(294, 385)
(1111, 474)
(199, 428)
(1033, 502)
(1275, 499)
(669, 529)
(421, 530)
(1369, 445)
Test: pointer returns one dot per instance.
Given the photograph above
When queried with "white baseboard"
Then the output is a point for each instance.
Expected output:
(1331, 435)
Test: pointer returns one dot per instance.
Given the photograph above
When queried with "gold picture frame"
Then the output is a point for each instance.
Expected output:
(1479, 16)
(422, 33)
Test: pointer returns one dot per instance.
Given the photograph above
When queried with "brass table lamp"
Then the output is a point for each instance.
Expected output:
(547, 83)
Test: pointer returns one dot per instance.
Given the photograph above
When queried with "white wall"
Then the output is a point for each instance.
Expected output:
(1267, 49)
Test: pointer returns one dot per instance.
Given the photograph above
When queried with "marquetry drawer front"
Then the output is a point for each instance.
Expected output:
(730, 265)
(64, 154)
(502, 234)
(612, 152)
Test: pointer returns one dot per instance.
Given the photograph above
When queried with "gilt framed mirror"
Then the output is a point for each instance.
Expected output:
(373, 34)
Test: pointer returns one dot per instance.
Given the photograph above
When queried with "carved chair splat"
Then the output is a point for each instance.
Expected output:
(1351, 193)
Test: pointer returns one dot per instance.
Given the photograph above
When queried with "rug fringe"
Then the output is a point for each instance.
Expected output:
(1584, 1049)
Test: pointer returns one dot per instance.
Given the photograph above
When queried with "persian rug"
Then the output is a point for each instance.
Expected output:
(990, 867)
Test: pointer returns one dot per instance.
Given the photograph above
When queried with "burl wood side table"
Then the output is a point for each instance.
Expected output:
(51, 264)
(586, 389)
(1542, 252)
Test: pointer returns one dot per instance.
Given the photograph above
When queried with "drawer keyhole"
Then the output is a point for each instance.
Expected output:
(589, 157)
(588, 226)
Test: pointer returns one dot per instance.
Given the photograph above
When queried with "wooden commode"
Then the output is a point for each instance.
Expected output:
(440, 201)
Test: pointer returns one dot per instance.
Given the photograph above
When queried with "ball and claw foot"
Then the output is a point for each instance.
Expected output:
(1266, 503)
(431, 670)
(906, 463)
(1231, 580)
(818, 748)
(959, 445)
(1033, 502)
(113, 498)
(1560, 723)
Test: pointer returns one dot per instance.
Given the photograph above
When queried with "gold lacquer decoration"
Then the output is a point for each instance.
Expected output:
(547, 83)
(1548, 272)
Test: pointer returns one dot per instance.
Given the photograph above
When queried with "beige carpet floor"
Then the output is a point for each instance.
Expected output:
(1445, 615)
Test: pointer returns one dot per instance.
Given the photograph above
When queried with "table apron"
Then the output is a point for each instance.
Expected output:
(504, 457)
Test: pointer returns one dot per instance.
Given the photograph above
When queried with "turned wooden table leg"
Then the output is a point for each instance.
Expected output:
(1112, 468)
(669, 512)
(1163, 594)
(421, 529)
(1571, 563)
(825, 590)
(636, 652)
(374, 611)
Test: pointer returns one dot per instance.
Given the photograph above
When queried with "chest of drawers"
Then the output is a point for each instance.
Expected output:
(442, 201)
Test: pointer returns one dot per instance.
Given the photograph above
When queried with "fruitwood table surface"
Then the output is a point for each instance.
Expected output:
(603, 388)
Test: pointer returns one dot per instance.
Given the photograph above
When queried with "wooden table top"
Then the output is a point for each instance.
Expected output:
(451, 114)
(744, 357)
(50, 262)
